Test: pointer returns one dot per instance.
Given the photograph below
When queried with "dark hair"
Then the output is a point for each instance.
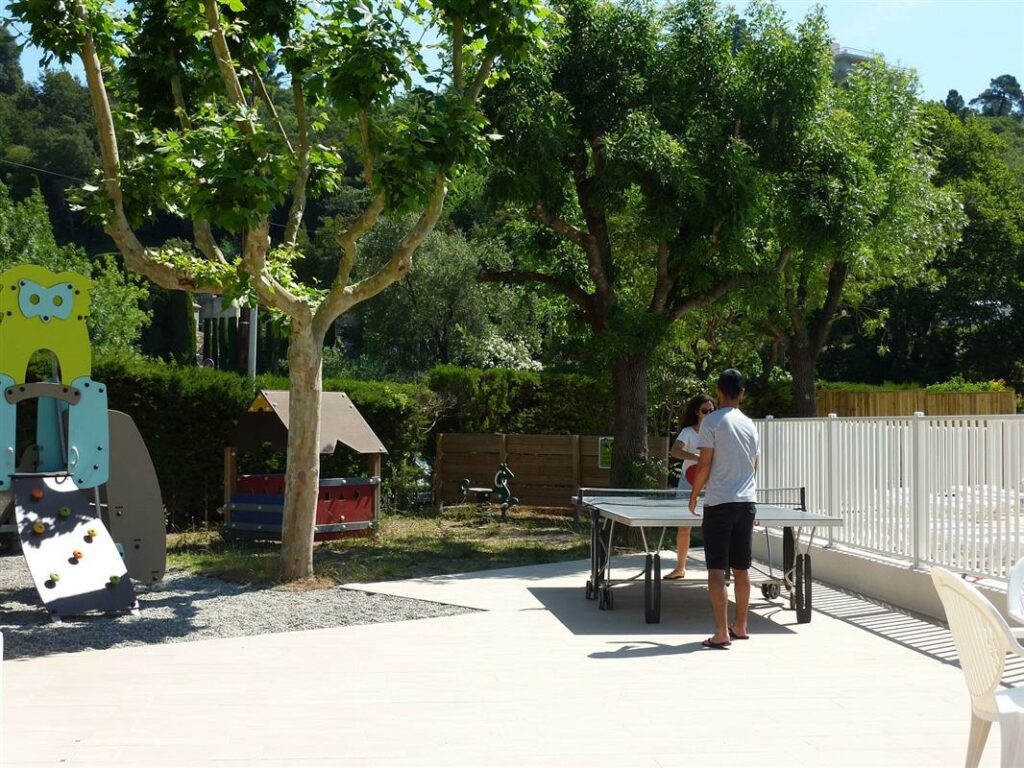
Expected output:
(731, 383)
(690, 416)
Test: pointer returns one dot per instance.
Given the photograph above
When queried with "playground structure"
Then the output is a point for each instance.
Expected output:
(499, 491)
(86, 504)
(346, 506)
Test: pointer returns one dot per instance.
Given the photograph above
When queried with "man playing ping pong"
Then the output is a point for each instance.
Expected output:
(728, 460)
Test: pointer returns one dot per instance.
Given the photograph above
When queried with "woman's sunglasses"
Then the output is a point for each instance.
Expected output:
(707, 410)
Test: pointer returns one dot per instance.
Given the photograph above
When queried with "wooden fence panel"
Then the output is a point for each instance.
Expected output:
(549, 469)
(906, 402)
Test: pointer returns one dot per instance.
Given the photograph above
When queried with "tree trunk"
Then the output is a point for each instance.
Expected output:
(803, 363)
(629, 386)
(302, 476)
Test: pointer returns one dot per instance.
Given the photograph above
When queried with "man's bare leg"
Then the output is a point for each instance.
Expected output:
(741, 585)
(719, 604)
(683, 548)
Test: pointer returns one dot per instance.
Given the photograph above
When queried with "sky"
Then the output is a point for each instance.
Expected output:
(959, 44)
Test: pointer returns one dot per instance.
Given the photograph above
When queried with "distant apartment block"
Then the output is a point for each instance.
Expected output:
(845, 59)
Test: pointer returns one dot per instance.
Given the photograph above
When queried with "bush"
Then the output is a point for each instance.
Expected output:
(959, 384)
(185, 416)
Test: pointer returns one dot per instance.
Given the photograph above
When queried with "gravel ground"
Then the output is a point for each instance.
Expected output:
(186, 607)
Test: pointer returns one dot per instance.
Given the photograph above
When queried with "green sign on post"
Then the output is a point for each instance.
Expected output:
(604, 452)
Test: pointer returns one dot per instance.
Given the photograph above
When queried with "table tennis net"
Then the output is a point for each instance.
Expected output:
(789, 498)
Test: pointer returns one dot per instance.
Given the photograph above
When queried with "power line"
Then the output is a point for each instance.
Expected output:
(83, 181)
(42, 170)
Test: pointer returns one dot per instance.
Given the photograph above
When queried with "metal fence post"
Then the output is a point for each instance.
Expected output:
(918, 491)
(832, 480)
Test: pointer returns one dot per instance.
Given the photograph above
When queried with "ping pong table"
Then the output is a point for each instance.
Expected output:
(783, 508)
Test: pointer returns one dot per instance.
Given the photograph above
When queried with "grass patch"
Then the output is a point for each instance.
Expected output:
(459, 540)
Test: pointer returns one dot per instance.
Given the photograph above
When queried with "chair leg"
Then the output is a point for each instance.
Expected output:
(976, 742)
(1011, 734)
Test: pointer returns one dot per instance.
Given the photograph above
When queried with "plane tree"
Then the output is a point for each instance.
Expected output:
(649, 147)
(187, 127)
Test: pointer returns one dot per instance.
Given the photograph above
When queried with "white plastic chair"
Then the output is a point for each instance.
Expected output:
(983, 639)
(1015, 598)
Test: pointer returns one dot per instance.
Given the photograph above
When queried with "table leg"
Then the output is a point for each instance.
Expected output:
(595, 564)
(656, 591)
(788, 556)
(648, 589)
(803, 589)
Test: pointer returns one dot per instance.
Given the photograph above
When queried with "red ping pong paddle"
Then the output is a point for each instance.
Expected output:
(691, 473)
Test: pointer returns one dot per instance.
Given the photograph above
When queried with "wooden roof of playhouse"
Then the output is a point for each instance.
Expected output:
(266, 421)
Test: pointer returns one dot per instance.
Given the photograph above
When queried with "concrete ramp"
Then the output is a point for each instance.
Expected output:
(73, 560)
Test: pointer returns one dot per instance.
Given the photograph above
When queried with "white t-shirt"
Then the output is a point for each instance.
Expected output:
(734, 439)
(688, 437)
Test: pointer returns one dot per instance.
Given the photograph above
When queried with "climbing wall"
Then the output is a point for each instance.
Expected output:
(73, 560)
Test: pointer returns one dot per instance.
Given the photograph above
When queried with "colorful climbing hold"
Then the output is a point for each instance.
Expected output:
(39, 528)
(91, 533)
(115, 580)
(54, 577)
(64, 511)
(37, 494)
(77, 554)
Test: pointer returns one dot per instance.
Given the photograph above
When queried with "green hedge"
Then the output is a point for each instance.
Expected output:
(186, 416)
(956, 384)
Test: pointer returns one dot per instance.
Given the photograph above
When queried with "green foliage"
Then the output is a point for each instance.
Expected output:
(501, 400)
(851, 386)
(956, 384)
(959, 384)
(438, 313)
(967, 320)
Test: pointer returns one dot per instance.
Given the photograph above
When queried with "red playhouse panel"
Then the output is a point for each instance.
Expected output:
(340, 501)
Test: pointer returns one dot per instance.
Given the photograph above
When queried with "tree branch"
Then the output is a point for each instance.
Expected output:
(255, 246)
(265, 96)
(481, 78)
(222, 54)
(343, 298)
(597, 245)
(837, 275)
(710, 296)
(458, 34)
(663, 282)
(364, 144)
(571, 291)
(202, 232)
(558, 225)
(349, 241)
(298, 206)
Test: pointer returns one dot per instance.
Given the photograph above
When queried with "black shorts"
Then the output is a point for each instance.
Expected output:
(728, 530)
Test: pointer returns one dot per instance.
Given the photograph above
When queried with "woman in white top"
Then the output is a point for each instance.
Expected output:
(685, 448)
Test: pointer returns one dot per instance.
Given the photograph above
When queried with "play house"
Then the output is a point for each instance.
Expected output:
(254, 504)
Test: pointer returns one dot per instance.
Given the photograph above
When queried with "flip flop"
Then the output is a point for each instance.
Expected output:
(670, 577)
(734, 636)
(709, 643)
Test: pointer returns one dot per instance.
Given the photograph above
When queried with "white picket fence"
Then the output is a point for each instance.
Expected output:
(942, 490)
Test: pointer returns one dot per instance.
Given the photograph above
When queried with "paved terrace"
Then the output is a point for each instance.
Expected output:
(539, 677)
